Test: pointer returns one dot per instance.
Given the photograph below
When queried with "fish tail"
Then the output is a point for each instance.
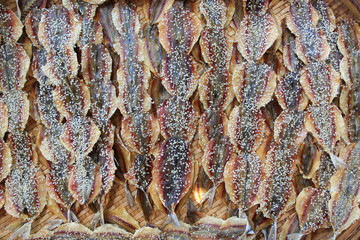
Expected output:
(272, 233)
(23, 231)
(338, 162)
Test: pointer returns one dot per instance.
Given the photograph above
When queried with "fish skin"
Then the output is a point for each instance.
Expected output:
(206, 228)
(153, 52)
(4, 121)
(173, 232)
(126, 21)
(291, 60)
(25, 186)
(215, 13)
(25, 6)
(85, 180)
(349, 68)
(212, 124)
(10, 25)
(133, 80)
(309, 159)
(71, 230)
(173, 173)
(177, 117)
(14, 64)
(111, 35)
(31, 23)
(325, 171)
(179, 29)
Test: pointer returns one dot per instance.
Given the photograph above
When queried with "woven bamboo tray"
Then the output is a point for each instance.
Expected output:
(341, 8)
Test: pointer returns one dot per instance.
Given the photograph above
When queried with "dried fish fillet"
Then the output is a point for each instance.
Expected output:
(247, 129)
(311, 207)
(25, 186)
(5, 160)
(349, 101)
(14, 64)
(120, 217)
(10, 25)
(320, 82)
(291, 60)
(350, 67)
(173, 175)
(206, 228)
(155, 9)
(108, 232)
(179, 29)
(4, 121)
(59, 30)
(327, 126)
(179, 74)
(254, 84)
(71, 231)
(18, 109)
(31, 23)
(349, 36)
(79, 135)
(140, 132)
(111, 35)
(215, 89)
(177, 117)
(256, 34)
(309, 158)
(25, 6)
(147, 233)
(139, 175)
(343, 205)
(289, 92)
(242, 176)
(173, 232)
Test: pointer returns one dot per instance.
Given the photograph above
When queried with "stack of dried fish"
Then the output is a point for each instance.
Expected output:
(25, 185)
(215, 90)
(254, 84)
(174, 169)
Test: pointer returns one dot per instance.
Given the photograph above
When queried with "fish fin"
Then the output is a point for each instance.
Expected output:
(174, 219)
(129, 197)
(73, 217)
(95, 221)
(294, 236)
(337, 161)
(52, 224)
(23, 231)
(209, 195)
(272, 233)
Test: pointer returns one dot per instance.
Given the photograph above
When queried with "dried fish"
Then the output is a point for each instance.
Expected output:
(179, 29)
(256, 34)
(120, 217)
(71, 231)
(147, 233)
(320, 82)
(108, 231)
(25, 6)
(139, 175)
(111, 35)
(291, 60)
(3, 119)
(171, 231)
(254, 84)
(206, 228)
(177, 117)
(179, 74)
(10, 25)
(289, 93)
(349, 68)
(173, 175)
(327, 126)
(155, 9)
(349, 37)
(309, 158)
(5, 160)
(343, 205)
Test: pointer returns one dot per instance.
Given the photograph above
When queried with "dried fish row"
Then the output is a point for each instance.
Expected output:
(174, 169)
(59, 30)
(215, 92)
(139, 127)
(25, 197)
